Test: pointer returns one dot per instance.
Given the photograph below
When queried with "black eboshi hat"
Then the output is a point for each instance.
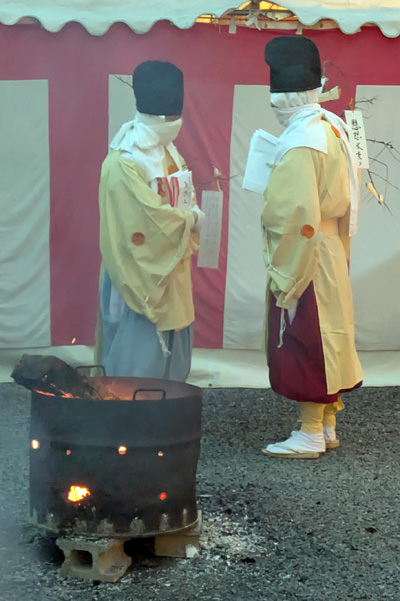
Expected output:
(158, 88)
(295, 64)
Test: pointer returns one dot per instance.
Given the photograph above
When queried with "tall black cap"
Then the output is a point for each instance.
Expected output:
(158, 88)
(294, 62)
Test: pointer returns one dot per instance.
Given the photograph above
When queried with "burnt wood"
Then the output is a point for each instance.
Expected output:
(51, 375)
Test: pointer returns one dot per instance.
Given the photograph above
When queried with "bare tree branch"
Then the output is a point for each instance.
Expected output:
(122, 80)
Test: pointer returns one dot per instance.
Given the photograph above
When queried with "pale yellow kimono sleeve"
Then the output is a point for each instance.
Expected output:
(290, 220)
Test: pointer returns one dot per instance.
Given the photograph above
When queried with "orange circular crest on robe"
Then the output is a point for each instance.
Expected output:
(307, 231)
(138, 238)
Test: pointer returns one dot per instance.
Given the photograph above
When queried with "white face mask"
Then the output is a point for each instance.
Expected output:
(166, 131)
(287, 104)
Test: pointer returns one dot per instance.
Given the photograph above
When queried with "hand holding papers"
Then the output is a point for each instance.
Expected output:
(260, 161)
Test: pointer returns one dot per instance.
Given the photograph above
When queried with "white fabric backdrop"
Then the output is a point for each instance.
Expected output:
(375, 255)
(121, 102)
(24, 211)
(245, 276)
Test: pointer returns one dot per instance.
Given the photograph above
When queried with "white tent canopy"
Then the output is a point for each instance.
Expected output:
(97, 16)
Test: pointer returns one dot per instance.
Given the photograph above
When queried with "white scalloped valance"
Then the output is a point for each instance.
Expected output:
(350, 15)
(97, 16)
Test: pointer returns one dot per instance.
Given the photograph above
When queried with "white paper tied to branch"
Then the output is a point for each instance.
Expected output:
(252, 20)
(357, 138)
(232, 26)
(210, 236)
(371, 188)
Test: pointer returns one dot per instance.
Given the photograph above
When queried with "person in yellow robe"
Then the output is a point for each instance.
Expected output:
(309, 214)
(147, 237)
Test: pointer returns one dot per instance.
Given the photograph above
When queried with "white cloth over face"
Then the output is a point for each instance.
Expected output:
(145, 139)
(301, 115)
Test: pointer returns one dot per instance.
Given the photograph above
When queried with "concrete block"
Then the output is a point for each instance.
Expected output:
(101, 559)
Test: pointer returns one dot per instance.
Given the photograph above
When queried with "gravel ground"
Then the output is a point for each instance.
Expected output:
(273, 529)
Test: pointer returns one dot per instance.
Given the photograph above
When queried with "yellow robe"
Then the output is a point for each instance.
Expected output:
(305, 224)
(146, 245)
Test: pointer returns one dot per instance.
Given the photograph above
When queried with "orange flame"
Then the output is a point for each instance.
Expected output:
(77, 493)
(61, 393)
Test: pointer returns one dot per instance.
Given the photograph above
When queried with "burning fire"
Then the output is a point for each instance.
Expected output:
(35, 444)
(77, 493)
(60, 393)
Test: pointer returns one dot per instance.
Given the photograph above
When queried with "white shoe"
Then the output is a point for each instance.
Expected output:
(298, 446)
(331, 442)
